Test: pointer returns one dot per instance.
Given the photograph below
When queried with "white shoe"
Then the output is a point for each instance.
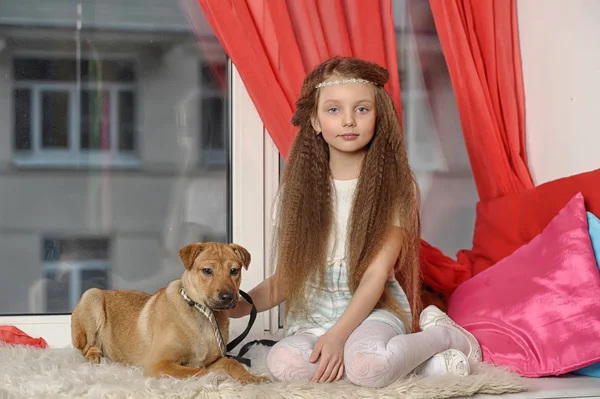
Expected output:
(453, 361)
(432, 316)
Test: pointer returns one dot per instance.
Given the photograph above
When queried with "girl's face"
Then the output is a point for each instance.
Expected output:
(346, 116)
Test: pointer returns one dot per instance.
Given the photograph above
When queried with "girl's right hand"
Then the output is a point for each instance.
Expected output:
(242, 309)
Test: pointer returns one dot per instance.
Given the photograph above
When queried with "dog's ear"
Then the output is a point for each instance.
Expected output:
(242, 254)
(189, 253)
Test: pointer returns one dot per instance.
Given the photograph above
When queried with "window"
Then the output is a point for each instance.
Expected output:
(70, 111)
(117, 151)
(72, 266)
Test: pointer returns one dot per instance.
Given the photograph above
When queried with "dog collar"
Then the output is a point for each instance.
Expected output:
(209, 314)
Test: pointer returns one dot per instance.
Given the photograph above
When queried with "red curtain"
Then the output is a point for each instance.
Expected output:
(480, 41)
(274, 43)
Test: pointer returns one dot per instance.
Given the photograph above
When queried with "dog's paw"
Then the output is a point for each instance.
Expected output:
(262, 379)
(256, 379)
(93, 355)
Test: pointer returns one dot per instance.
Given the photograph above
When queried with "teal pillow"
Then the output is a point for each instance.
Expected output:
(594, 230)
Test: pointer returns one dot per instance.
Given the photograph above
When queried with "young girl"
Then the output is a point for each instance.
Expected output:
(347, 222)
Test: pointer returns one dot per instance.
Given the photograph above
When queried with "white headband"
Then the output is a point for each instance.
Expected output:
(337, 82)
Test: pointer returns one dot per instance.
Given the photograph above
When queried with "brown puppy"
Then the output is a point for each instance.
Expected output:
(163, 332)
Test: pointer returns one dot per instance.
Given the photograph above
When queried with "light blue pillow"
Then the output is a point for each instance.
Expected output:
(594, 230)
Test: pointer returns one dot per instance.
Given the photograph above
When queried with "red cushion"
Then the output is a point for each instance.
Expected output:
(12, 335)
(505, 224)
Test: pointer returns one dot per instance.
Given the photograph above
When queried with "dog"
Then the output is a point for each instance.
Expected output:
(165, 333)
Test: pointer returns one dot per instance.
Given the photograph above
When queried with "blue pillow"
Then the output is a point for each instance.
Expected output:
(594, 230)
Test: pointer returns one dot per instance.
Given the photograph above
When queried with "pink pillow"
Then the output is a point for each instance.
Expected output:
(537, 311)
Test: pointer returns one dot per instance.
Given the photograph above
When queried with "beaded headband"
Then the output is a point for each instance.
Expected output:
(337, 82)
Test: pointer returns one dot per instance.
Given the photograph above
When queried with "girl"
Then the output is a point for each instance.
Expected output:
(347, 221)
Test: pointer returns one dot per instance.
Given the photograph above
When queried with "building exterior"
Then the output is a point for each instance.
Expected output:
(113, 147)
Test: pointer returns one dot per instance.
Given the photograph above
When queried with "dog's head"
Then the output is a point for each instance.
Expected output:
(213, 272)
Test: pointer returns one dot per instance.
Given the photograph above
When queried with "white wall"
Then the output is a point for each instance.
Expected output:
(561, 71)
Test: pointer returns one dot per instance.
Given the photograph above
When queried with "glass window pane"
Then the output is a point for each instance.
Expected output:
(433, 132)
(213, 123)
(82, 249)
(22, 98)
(41, 69)
(94, 278)
(55, 119)
(57, 287)
(102, 179)
(107, 71)
(213, 114)
(66, 69)
(127, 115)
(95, 120)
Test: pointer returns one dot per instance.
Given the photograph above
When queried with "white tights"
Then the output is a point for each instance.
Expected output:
(374, 355)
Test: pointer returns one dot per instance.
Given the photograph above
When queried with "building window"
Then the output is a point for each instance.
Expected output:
(72, 266)
(70, 112)
(213, 114)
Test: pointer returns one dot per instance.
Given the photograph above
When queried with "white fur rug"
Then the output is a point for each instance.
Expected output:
(62, 373)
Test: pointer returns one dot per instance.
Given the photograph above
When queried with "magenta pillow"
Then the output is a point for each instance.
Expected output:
(537, 311)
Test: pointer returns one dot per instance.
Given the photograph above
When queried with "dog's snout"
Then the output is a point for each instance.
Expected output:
(226, 296)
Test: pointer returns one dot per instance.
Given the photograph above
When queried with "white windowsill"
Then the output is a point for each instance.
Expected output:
(569, 386)
(55, 329)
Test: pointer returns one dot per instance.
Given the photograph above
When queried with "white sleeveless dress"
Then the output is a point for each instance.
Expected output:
(332, 300)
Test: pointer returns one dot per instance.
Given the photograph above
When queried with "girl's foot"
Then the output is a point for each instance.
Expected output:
(451, 361)
(431, 316)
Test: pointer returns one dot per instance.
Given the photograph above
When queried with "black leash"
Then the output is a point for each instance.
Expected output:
(238, 340)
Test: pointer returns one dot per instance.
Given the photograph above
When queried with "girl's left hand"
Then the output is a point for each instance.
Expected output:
(330, 349)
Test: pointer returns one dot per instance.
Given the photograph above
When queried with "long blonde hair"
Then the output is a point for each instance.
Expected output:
(386, 190)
